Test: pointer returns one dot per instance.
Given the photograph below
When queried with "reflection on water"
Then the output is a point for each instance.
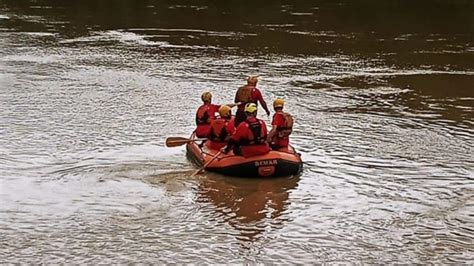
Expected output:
(251, 206)
(381, 92)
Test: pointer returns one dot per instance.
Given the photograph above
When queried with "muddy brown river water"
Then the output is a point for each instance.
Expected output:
(383, 99)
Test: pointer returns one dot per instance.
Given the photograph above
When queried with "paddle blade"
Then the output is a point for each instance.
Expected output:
(177, 141)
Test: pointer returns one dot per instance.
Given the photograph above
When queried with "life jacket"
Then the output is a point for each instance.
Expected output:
(285, 131)
(202, 115)
(218, 130)
(257, 132)
(244, 94)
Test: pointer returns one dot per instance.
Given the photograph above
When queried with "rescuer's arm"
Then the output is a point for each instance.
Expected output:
(233, 104)
(272, 133)
(263, 103)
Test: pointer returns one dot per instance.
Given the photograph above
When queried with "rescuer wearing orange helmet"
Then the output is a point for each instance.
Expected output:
(248, 94)
(205, 114)
(250, 136)
(222, 128)
(282, 126)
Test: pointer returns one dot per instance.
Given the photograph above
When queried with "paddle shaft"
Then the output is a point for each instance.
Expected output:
(207, 164)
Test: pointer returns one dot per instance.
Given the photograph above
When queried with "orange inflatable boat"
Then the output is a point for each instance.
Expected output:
(284, 162)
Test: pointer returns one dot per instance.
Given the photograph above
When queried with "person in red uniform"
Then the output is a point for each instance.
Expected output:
(248, 94)
(222, 128)
(250, 136)
(205, 114)
(282, 126)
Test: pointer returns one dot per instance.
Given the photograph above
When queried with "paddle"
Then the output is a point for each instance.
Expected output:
(178, 141)
(206, 164)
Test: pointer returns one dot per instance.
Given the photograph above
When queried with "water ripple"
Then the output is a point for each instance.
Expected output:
(387, 141)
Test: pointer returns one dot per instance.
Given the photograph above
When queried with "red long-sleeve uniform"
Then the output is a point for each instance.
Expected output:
(204, 115)
(243, 137)
(279, 121)
(218, 137)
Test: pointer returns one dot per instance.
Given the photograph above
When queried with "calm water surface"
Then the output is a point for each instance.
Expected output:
(382, 94)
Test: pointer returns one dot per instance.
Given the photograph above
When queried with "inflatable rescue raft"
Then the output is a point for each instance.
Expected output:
(283, 162)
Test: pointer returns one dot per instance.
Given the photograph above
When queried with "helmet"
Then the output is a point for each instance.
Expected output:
(250, 108)
(206, 96)
(278, 103)
(252, 79)
(224, 111)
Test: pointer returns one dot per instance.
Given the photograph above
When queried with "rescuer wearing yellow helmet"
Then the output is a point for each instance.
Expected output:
(222, 128)
(278, 103)
(205, 114)
(248, 94)
(206, 97)
(250, 109)
(282, 126)
(250, 136)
